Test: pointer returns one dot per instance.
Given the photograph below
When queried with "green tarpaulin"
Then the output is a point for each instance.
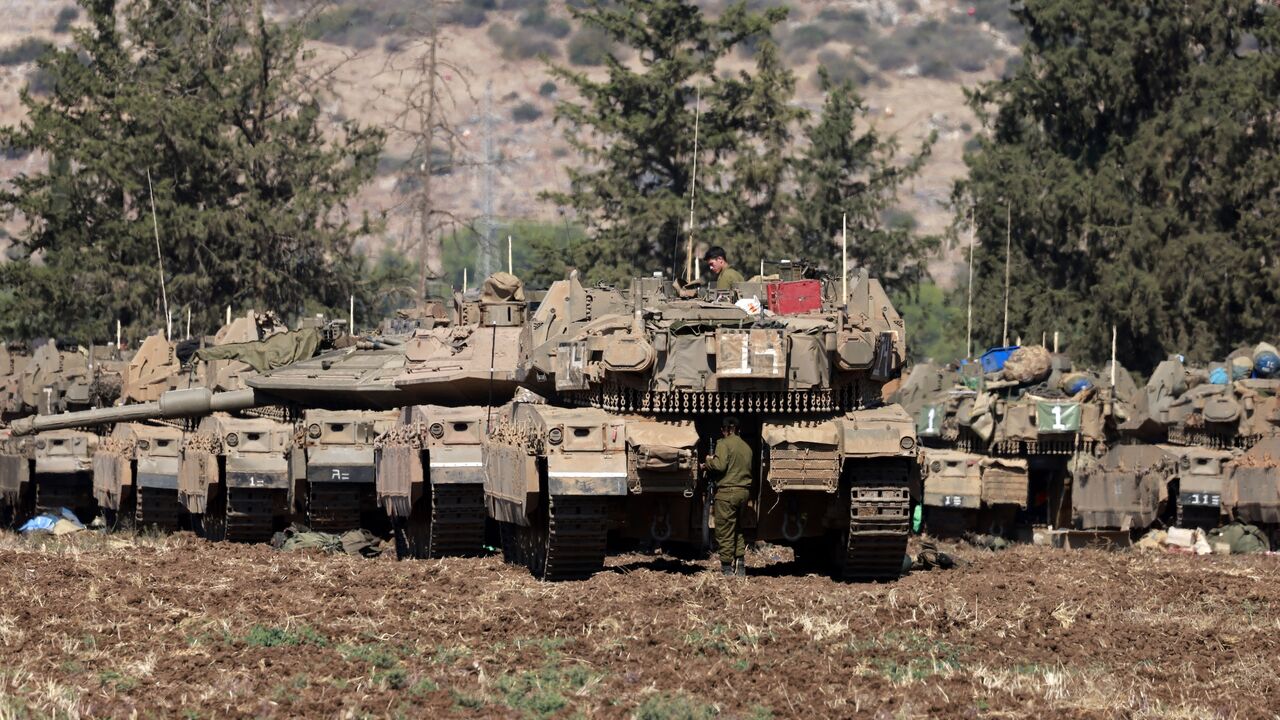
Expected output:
(275, 351)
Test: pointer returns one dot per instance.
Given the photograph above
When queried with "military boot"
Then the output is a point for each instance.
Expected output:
(740, 567)
(726, 569)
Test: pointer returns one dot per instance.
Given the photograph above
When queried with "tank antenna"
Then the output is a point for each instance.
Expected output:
(691, 269)
(155, 227)
(844, 258)
(117, 333)
(1008, 239)
(1113, 356)
(188, 322)
(510, 266)
(351, 316)
(464, 281)
(968, 334)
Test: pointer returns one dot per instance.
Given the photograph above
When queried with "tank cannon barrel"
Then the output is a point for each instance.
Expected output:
(172, 404)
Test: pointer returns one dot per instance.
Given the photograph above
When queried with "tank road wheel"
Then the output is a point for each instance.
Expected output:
(566, 540)
(879, 521)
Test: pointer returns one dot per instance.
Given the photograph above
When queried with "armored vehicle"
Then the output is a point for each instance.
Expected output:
(637, 382)
(282, 417)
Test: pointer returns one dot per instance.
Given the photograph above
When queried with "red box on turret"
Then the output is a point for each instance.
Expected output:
(794, 297)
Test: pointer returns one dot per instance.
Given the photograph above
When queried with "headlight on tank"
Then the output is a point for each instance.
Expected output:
(232, 440)
(436, 430)
(313, 431)
(555, 435)
(907, 442)
(1185, 462)
(936, 466)
(40, 444)
(144, 445)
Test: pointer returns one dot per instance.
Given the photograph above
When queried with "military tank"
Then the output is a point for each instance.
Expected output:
(276, 432)
(636, 382)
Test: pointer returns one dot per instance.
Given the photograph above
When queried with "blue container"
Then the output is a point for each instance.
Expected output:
(1219, 376)
(1265, 364)
(993, 359)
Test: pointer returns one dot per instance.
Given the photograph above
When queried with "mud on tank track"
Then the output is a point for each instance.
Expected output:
(168, 626)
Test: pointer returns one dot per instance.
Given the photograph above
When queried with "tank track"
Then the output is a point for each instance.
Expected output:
(59, 490)
(568, 540)
(335, 507)
(157, 507)
(879, 521)
(251, 514)
(453, 525)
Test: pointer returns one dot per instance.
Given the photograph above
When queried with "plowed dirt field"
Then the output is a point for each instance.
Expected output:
(169, 626)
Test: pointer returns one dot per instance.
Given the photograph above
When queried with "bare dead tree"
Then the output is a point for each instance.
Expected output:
(425, 94)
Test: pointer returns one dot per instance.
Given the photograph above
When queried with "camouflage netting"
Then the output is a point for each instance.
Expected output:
(1028, 364)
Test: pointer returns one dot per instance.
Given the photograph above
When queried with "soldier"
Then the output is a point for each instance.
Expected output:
(732, 461)
(718, 262)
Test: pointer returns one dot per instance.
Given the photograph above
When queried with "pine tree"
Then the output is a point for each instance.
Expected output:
(1134, 156)
(844, 171)
(202, 109)
(634, 132)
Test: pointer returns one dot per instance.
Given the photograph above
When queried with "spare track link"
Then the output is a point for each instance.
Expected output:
(335, 507)
(251, 513)
(156, 506)
(569, 541)
(457, 520)
(879, 521)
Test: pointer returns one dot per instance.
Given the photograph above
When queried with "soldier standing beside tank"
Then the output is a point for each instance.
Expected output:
(732, 461)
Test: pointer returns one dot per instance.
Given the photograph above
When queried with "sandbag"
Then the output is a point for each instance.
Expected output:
(1028, 364)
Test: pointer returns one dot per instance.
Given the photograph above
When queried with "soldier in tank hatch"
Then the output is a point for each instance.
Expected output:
(732, 463)
(718, 262)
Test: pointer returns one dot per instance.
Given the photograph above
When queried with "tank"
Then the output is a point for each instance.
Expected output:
(301, 441)
(1211, 430)
(635, 384)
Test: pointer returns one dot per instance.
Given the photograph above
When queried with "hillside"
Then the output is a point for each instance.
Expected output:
(912, 59)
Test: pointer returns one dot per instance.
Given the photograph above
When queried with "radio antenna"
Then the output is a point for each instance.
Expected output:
(690, 267)
(155, 227)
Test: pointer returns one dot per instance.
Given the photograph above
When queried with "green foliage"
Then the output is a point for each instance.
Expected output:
(539, 251)
(264, 636)
(802, 41)
(673, 707)
(756, 187)
(845, 171)
(525, 112)
(839, 69)
(936, 48)
(935, 324)
(25, 51)
(589, 47)
(1135, 155)
(537, 18)
(226, 135)
(517, 45)
(66, 16)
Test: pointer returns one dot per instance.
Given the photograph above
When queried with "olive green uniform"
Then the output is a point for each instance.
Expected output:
(733, 462)
(727, 277)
